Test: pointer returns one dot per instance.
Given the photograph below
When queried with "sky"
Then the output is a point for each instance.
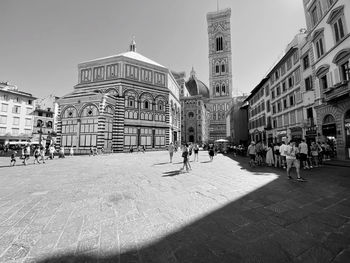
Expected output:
(42, 41)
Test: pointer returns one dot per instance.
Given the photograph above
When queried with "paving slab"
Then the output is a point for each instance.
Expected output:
(141, 208)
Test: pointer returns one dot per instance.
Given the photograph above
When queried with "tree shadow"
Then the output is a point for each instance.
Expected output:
(278, 222)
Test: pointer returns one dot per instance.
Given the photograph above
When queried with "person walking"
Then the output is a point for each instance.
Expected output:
(303, 150)
(185, 158)
(269, 156)
(283, 154)
(42, 154)
(171, 151)
(276, 151)
(211, 151)
(291, 159)
(314, 153)
(195, 150)
(36, 155)
(71, 151)
(13, 158)
(251, 152)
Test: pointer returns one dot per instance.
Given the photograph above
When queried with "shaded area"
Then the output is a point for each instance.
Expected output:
(172, 173)
(282, 221)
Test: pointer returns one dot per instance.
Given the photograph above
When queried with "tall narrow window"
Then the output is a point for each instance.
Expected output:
(345, 71)
(223, 89)
(323, 82)
(219, 45)
(338, 28)
(223, 68)
(319, 47)
(217, 89)
(217, 69)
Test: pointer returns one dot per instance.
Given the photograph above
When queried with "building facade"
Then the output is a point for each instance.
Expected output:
(195, 114)
(286, 95)
(45, 120)
(121, 101)
(16, 119)
(220, 71)
(328, 24)
(238, 115)
(257, 111)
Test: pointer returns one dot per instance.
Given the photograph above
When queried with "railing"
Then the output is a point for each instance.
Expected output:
(337, 91)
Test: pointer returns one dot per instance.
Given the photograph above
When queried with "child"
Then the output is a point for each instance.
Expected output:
(13, 158)
(36, 155)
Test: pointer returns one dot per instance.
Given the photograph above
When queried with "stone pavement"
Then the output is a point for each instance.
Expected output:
(140, 208)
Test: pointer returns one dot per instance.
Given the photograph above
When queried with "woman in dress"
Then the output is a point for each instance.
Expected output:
(269, 156)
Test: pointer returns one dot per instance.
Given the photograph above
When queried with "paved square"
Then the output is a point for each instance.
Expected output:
(140, 208)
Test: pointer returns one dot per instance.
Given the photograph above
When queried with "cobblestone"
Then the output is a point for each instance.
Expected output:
(140, 208)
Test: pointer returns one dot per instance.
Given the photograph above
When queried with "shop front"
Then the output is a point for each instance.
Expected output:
(296, 133)
(311, 135)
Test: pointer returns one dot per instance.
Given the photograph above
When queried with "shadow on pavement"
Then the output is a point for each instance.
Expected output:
(172, 173)
(279, 222)
(161, 163)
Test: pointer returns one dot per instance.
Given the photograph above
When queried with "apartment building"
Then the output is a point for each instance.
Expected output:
(328, 25)
(257, 111)
(286, 95)
(16, 119)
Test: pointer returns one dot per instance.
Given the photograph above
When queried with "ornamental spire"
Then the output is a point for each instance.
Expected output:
(133, 44)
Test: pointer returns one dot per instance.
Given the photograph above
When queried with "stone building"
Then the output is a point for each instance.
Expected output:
(257, 111)
(220, 71)
(45, 120)
(238, 115)
(16, 119)
(121, 101)
(195, 114)
(328, 25)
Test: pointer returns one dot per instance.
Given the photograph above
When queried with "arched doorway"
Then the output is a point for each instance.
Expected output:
(329, 128)
(347, 133)
(329, 131)
(191, 134)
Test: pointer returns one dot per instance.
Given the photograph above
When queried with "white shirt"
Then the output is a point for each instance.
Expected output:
(283, 148)
(303, 148)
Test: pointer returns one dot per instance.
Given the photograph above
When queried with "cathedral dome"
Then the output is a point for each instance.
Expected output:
(196, 87)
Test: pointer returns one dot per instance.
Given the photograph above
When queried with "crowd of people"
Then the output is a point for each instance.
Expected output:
(38, 153)
(287, 155)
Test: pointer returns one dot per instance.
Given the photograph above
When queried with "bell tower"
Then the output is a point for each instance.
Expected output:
(220, 71)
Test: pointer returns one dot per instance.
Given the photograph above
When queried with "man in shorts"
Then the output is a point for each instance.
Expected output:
(291, 159)
(283, 148)
(252, 152)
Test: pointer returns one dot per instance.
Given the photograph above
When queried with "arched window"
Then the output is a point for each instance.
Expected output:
(39, 123)
(217, 89)
(190, 115)
(131, 102)
(219, 45)
(146, 104)
(217, 69)
(160, 106)
(223, 89)
(49, 124)
(223, 68)
(328, 119)
(191, 130)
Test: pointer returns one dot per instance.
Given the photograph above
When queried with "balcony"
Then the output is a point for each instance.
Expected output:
(337, 92)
